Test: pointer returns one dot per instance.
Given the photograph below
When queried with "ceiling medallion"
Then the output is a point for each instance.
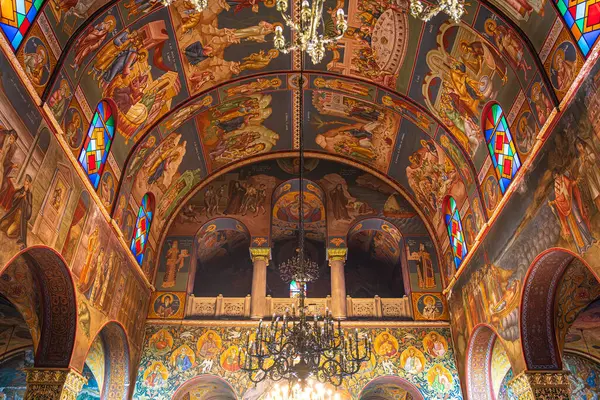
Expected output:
(311, 32)
(454, 8)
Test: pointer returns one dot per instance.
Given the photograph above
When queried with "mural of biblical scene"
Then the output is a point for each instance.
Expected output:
(540, 102)
(222, 262)
(174, 263)
(525, 130)
(286, 212)
(167, 305)
(226, 40)
(423, 359)
(12, 375)
(75, 126)
(60, 97)
(561, 209)
(37, 59)
(422, 264)
(583, 335)
(350, 127)
(375, 264)
(244, 126)
(583, 379)
(67, 16)
(138, 70)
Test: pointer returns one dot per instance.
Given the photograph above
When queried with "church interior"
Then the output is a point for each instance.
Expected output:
(308, 200)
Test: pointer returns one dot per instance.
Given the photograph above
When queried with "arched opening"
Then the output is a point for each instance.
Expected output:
(38, 282)
(106, 366)
(375, 261)
(390, 388)
(557, 287)
(285, 216)
(488, 366)
(223, 265)
(205, 387)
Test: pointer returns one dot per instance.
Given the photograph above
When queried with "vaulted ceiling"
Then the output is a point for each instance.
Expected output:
(196, 95)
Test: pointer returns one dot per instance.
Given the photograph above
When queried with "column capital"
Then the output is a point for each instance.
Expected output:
(53, 384)
(531, 385)
(260, 254)
(336, 254)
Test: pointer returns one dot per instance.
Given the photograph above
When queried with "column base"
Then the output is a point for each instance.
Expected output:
(53, 384)
(541, 385)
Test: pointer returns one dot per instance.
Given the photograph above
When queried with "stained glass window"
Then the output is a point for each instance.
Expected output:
(455, 231)
(501, 146)
(142, 227)
(295, 289)
(16, 17)
(97, 143)
(583, 19)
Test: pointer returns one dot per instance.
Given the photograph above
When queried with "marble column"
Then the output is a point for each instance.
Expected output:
(337, 259)
(541, 385)
(53, 384)
(260, 260)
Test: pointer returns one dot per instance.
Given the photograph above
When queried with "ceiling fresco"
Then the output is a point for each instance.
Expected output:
(195, 93)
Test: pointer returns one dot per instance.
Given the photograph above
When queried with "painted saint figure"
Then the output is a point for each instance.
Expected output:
(425, 270)
(14, 222)
(589, 170)
(175, 261)
(91, 40)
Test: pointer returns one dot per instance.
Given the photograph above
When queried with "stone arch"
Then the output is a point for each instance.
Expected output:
(384, 387)
(222, 390)
(112, 341)
(481, 377)
(58, 319)
(541, 349)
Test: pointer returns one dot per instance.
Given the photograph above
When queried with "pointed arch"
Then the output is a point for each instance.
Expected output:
(96, 146)
(501, 145)
(17, 18)
(142, 227)
(455, 230)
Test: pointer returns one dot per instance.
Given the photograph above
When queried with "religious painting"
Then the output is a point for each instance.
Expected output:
(60, 97)
(243, 127)
(435, 344)
(161, 342)
(167, 305)
(412, 360)
(439, 378)
(106, 190)
(583, 376)
(564, 65)
(183, 358)
(539, 100)
(422, 264)
(230, 360)
(67, 16)
(385, 345)
(156, 375)
(174, 263)
(350, 127)
(525, 129)
(470, 229)
(491, 193)
(75, 231)
(103, 284)
(209, 345)
(429, 307)
(74, 126)
(37, 60)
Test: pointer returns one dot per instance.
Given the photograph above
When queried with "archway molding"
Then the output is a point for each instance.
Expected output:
(226, 391)
(371, 390)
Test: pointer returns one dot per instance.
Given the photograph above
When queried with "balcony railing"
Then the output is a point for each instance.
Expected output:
(239, 307)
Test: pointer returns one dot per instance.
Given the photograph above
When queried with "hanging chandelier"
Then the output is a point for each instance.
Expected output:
(311, 391)
(454, 8)
(199, 5)
(311, 33)
(295, 347)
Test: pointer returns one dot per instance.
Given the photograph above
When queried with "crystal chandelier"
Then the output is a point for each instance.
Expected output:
(311, 391)
(295, 347)
(199, 5)
(454, 8)
(311, 32)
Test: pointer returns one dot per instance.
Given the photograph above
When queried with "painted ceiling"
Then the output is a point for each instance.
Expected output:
(197, 94)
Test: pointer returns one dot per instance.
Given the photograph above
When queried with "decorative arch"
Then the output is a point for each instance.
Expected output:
(143, 224)
(111, 366)
(539, 341)
(58, 304)
(388, 387)
(17, 18)
(96, 146)
(483, 343)
(501, 145)
(456, 234)
(220, 388)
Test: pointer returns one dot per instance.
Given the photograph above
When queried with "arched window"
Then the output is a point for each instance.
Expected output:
(295, 289)
(583, 19)
(96, 147)
(501, 146)
(455, 231)
(142, 227)
(16, 18)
